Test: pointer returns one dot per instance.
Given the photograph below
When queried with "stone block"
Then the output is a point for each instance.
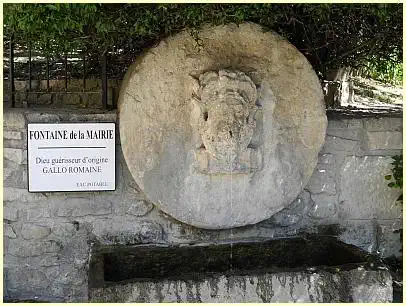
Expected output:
(369, 286)
(390, 238)
(35, 213)
(355, 285)
(49, 260)
(290, 215)
(361, 233)
(65, 274)
(65, 230)
(43, 118)
(6, 244)
(350, 134)
(334, 124)
(324, 207)
(336, 145)
(11, 194)
(20, 85)
(10, 212)
(364, 191)
(28, 280)
(81, 206)
(14, 155)
(282, 287)
(71, 99)
(25, 248)
(127, 232)
(12, 135)
(21, 99)
(45, 260)
(355, 123)
(52, 246)
(383, 124)
(32, 99)
(105, 117)
(16, 144)
(328, 161)
(44, 99)
(139, 208)
(15, 175)
(284, 218)
(322, 181)
(344, 124)
(25, 158)
(9, 169)
(9, 231)
(34, 231)
(76, 248)
(384, 140)
(13, 119)
(5, 282)
(388, 153)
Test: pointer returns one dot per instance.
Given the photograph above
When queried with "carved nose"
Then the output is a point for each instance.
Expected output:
(226, 134)
(225, 131)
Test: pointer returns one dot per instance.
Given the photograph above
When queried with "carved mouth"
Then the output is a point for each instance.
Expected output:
(233, 98)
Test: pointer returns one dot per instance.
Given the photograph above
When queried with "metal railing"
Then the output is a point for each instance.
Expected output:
(103, 77)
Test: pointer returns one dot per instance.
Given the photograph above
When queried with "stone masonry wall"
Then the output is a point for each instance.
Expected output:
(48, 236)
(90, 98)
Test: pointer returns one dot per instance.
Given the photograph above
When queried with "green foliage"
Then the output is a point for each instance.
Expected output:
(56, 26)
(397, 174)
(329, 35)
(384, 71)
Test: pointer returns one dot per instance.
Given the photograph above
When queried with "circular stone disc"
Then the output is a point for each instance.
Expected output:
(224, 132)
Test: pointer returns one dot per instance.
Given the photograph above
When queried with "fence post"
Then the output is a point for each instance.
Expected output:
(66, 72)
(29, 66)
(47, 72)
(104, 79)
(114, 97)
(84, 72)
(11, 74)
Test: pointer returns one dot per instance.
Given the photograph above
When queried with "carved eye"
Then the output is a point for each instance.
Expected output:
(205, 116)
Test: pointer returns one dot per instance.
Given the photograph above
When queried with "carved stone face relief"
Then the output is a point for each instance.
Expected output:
(221, 148)
(227, 102)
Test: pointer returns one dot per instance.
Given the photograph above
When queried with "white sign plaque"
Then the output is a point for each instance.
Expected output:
(71, 157)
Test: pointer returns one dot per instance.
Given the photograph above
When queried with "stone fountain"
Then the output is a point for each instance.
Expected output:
(220, 132)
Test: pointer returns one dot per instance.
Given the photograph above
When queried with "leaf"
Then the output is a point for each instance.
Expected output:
(333, 34)
(52, 7)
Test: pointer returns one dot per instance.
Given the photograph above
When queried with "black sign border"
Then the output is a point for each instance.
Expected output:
(75, 191)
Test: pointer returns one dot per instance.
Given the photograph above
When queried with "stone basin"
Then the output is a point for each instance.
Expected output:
(300, 269)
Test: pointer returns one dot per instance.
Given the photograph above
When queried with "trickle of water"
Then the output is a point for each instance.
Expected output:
(231, 256)
(231, 205)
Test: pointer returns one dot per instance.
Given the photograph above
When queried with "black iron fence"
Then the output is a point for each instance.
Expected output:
(24, 63)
